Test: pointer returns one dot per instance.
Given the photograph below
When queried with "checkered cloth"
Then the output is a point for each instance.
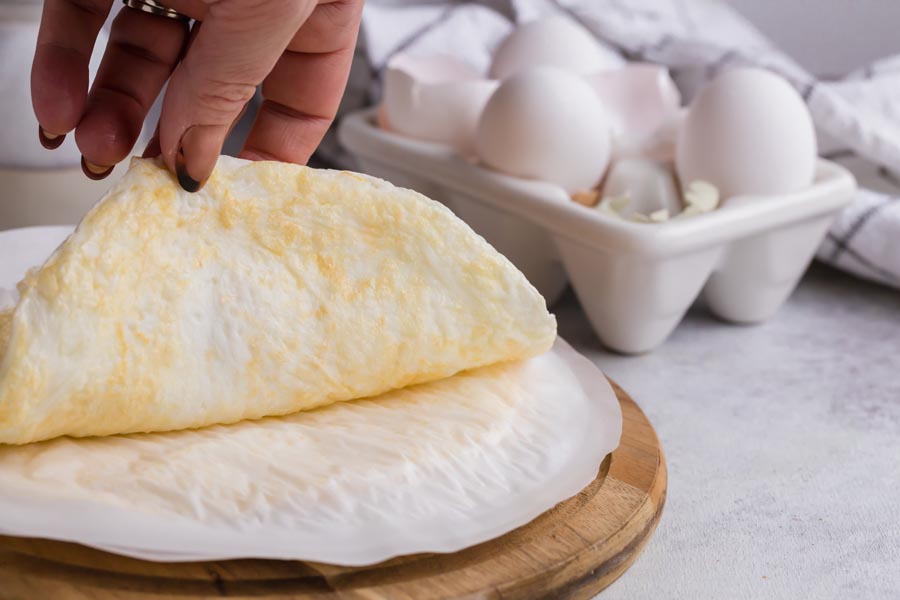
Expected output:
(857, 117)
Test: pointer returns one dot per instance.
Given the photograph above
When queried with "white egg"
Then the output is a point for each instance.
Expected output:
(648, 186)
(552, 42)
(546, 124)
(748, 132)
(437, 99)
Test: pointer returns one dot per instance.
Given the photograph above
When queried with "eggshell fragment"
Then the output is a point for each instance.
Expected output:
(587, 198)
(546, 124)
(649, 188)
(700, 197)
(437, 99)
(553, 42)
(660, 146)
(642, 101)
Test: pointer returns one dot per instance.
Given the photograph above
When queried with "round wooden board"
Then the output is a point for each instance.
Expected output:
(572, 551)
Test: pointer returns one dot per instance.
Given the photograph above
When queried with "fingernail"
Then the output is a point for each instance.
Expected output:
(95, 172)
(197, 153)
(188, 183)
(50, 141)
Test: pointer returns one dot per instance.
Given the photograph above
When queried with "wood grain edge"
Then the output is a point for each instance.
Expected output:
(604, 561)
(637, 466)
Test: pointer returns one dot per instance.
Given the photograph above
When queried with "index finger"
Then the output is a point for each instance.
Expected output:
(59, 73)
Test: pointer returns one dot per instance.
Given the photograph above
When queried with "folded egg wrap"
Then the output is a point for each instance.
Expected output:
(275, 289)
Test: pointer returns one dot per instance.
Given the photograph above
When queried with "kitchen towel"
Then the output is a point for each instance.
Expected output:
(857, 116)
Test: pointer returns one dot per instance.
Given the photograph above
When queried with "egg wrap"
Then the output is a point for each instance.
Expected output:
(276, 288)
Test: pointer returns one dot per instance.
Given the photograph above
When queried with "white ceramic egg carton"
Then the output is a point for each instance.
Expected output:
(635, 281)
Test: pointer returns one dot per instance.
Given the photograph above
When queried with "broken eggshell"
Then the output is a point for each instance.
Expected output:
(435, 98)
(644, 107)
(641, 187)
(700, 197)
(553, 42)
(662, 144)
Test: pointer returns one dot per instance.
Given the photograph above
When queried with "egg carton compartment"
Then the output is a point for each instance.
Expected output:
(635, 281)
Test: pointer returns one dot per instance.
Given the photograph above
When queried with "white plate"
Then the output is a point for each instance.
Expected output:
(436, 468)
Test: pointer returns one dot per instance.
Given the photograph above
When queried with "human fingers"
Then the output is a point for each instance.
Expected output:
(236, 48)
(142, 52)
(59, 72)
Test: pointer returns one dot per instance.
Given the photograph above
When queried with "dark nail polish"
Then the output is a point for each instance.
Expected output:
(188, 183)
(50, 141)
(95, 172)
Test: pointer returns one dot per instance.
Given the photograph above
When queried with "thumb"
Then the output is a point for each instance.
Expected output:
(237, 46)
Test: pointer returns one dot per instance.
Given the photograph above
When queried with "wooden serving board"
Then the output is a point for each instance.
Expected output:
(572, 551)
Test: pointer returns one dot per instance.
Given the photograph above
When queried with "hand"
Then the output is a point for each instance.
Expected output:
(300, 50)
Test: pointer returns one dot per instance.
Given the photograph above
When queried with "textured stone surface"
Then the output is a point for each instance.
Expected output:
(783, 447)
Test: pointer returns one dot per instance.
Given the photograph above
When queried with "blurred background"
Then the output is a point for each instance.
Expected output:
(827, 37)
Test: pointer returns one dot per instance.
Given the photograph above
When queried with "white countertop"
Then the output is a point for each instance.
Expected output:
(783, 447)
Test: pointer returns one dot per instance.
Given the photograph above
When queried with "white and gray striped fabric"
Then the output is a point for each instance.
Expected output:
(857, 116)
